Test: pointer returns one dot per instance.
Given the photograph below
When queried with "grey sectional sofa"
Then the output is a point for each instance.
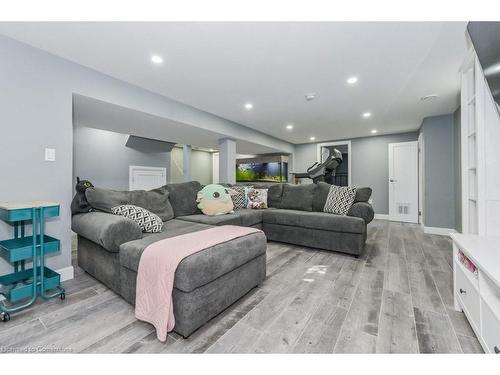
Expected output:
(206, 283)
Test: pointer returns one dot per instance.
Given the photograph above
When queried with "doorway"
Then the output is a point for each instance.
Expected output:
(403, 182)
(343, 171)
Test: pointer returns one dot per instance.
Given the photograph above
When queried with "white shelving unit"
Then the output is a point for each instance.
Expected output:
(480, 134)
(478, 294)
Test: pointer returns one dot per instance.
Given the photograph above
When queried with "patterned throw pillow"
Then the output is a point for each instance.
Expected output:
(256, 198)
(147, 221)
(339, 200)
(239, 199)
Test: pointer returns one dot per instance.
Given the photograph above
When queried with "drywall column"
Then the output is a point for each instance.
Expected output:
(186, 162)
(227, 161)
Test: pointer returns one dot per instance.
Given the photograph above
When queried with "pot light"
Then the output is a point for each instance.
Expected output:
(312, 138)
(374, 131)
(430, 96)
(157, 59)
(248, 106)
(366, 114)
(310, 96)
(289, 127)
(352, 80)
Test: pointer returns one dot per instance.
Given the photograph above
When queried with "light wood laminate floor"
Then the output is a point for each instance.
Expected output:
(396, 298)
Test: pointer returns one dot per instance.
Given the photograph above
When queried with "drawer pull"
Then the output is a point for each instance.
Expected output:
(462, 291)
(497, 351)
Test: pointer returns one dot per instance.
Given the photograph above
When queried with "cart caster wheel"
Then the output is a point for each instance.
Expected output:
(5, 317)
(62, 296)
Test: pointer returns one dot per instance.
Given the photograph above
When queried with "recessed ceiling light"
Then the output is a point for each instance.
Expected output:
(312, 138)
(248, 106)
(366, 114)
(157, 59)
(310, 96)
(430, 96)
(289, 126)
(374, 131)
(352, 80)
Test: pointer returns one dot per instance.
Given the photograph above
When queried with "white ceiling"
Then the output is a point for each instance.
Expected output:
(217, 67)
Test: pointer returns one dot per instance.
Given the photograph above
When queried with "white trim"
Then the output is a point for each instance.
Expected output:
(337, 143)
(67, 273)
(381, 217)
(132, 168)
(439, 231)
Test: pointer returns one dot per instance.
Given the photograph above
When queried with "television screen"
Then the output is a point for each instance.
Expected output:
(486, 39)
(263, 172)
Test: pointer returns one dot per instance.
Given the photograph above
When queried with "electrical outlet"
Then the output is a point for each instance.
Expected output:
(50, 154)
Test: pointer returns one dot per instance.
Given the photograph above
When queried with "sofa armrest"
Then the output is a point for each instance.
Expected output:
(107, 230)
(363, 210)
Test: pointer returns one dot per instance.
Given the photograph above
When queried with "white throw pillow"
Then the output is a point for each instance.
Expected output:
(340, 199)
(147, 221)
(256, 198)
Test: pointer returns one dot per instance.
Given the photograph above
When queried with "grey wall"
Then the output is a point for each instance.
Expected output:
(369, 164)
(103, 158)
(457, 168)
(36, 112)
(201, 166)
(439, 171)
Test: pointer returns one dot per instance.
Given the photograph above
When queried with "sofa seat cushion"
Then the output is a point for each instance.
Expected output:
(204, 266)
(227, 219)
(249, 217)
(130, 252)
(245, 217)
(314, 220)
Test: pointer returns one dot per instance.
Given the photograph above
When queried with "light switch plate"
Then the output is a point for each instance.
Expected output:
(50, 154)
(370, 201)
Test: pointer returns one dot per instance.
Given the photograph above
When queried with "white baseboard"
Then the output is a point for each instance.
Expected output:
(439, 231)
(67, 273)
(381, 216)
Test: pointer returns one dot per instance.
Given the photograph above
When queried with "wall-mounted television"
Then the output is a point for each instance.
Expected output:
(485, 37)
(265, 168)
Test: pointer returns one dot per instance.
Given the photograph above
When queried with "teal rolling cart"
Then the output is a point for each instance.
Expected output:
(22, 287)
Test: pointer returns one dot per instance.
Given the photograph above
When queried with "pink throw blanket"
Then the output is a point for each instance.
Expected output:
(156, 273)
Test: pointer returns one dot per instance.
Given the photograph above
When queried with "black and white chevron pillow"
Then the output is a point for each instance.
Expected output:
(340, 199)
(239, 199)
(147, 221)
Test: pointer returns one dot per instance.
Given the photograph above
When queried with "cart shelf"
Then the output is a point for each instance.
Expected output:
(12, 212)
(18, 249)
(19, 285)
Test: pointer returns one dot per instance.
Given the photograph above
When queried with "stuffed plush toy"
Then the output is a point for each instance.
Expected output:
(79, 205)
(215, 200)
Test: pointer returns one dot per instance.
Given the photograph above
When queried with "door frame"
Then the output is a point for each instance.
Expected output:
(133, 168)
(421, 179)
(416, 143)
(337, 143)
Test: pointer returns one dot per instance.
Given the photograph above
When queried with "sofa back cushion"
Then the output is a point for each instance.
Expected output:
(183, 197)
(275, 195)
(298, 197)
(362, 195)
(155, 201)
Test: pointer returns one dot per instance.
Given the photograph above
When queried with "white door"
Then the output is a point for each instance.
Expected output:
(146, 178)
(403, 182)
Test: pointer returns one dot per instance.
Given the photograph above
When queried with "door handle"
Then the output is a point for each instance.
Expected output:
(392, 180)
(462, 291)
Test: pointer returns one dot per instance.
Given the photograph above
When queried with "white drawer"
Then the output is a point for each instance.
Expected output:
(490, 330)
(467, 294)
